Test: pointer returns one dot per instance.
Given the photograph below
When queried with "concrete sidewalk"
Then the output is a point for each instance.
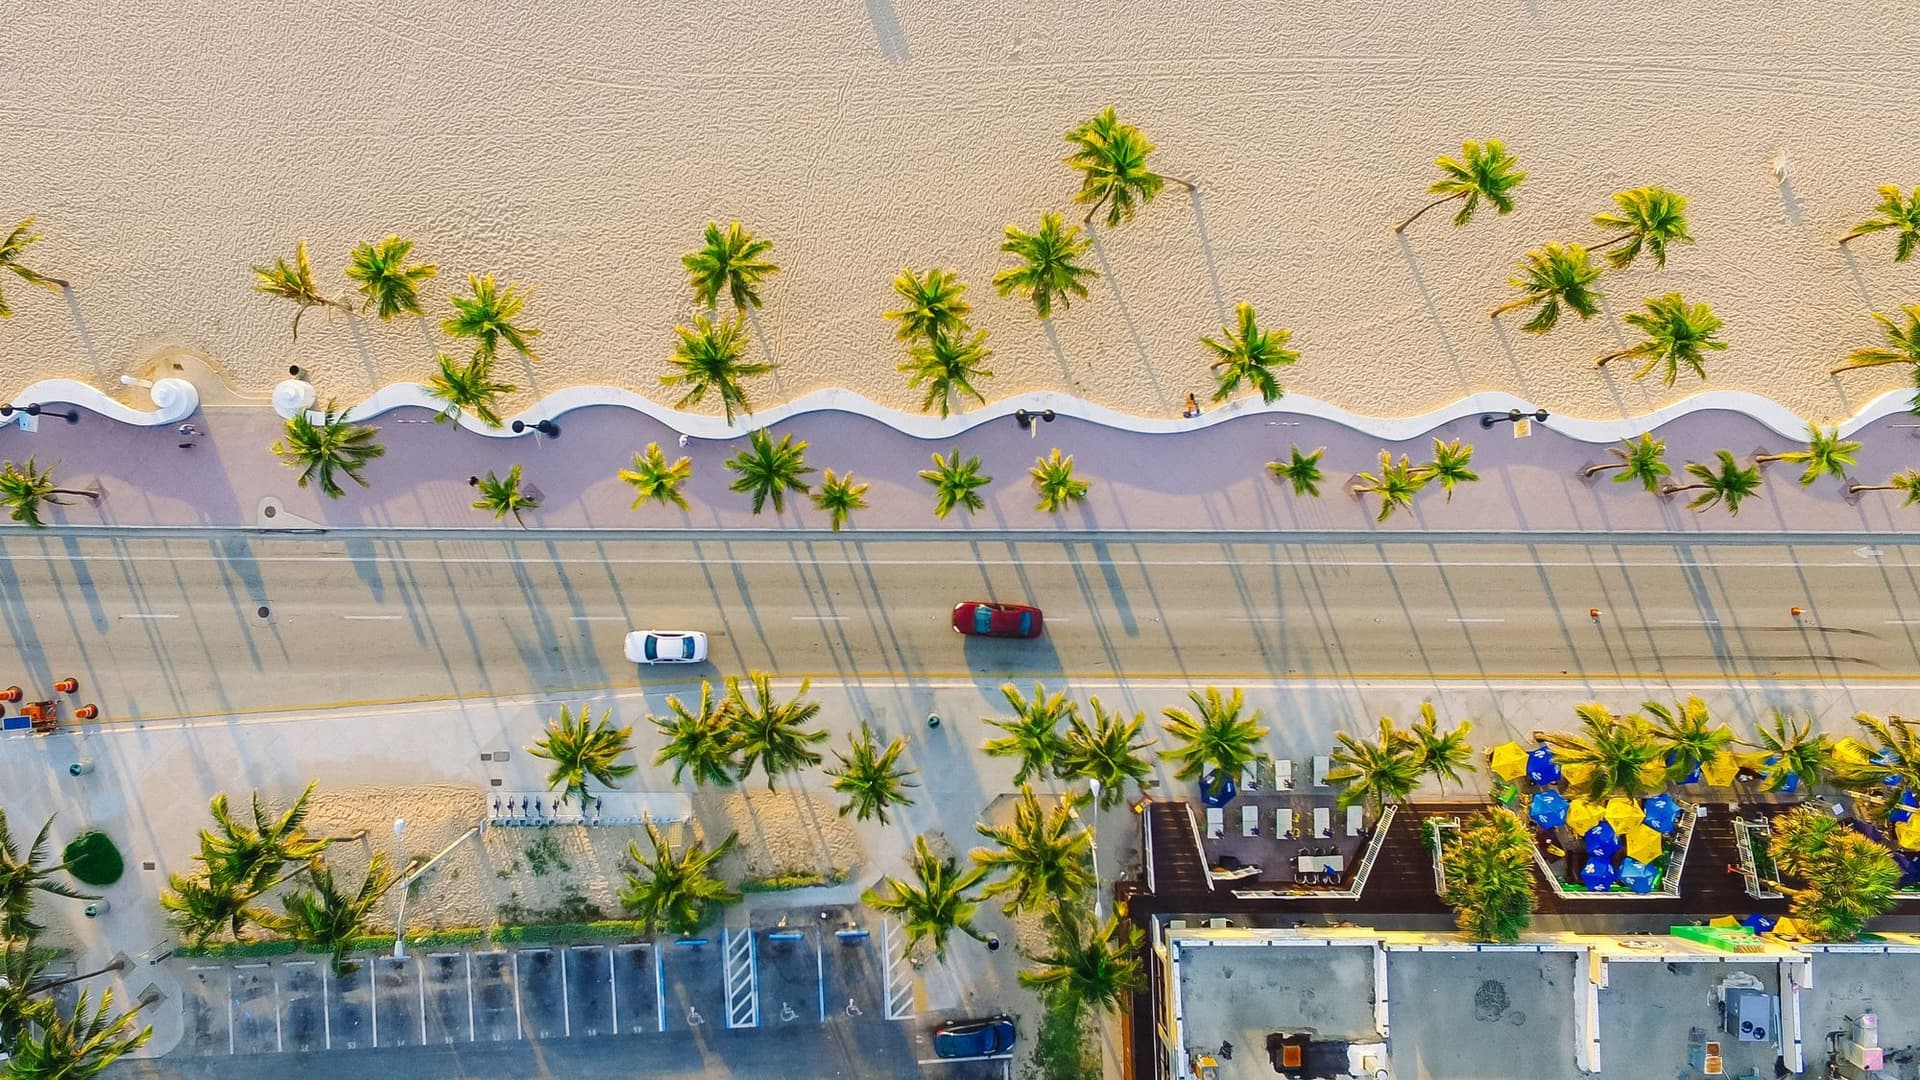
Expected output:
(1209, 479)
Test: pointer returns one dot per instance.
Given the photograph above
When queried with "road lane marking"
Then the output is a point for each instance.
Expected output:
(373, 618)
(598, 618)
(1690, 622)
(1902, 622)
(147, 615)
(1249, 618)
(1457, 619)
(827, 618)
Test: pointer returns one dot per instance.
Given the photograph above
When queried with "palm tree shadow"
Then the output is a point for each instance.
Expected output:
(1126, 315)
(1513, 360)
(86, 336)
(1606, 373)
(1859, 280)
(1059, 354)
(1433, 313)
(766, 350)
(1206, 251)
(1796, 214)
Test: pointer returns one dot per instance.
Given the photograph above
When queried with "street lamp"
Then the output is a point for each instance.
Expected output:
(1025, 418)
(36, 409)
(1093, 846)
(1513, 416)
(400, 920)
(544, 427)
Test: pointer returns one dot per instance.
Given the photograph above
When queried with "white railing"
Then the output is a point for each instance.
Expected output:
(1676, 845)
(1199, 845)
(1677, 855)
(1440, 829)
(1355, 883)
(1744, 833)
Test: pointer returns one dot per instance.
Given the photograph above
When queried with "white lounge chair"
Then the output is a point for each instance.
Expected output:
(1354, 820)
(1250, 776)
(1283, 774)
(1282, 822)
(1216, 823)
(1249, 820)
(1321, 767)
(1322, 822)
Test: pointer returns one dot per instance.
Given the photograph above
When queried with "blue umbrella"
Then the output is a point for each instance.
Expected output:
(1867, 829)
(1692, 777)
(1597, 874)
(1637, 875)
(1789, 782)
(1885, 757)
(1602, 842)
(1541, 768)
(1217, 788)
(1662, 811)
(1548, 809)
(1759, 924)
(1909, 869)
(1903, 809)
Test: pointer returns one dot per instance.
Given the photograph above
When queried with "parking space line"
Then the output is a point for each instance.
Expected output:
(613, 986)
(473, 1031)
(820, 977)
(372, 968)
(326, 1007)
(420, 978)
(659, 986)
(898, 983)
(519, 1025)
(742, 978)
(566, 1007)
(229, 1011)
(279, 1037)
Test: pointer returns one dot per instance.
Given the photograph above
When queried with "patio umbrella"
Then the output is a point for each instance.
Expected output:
(1867, 829)
(1508, 761)
(1726, 922)
(1662, 812)
(1622, 814)
(1576, 774)
(1597, 874)
(1548, 809)
(1849, 751)
(1719, 770)
(1583, 814)
(1602, 842)
(1644, 844)
(1906, 835)
(1903, 809)
(1788, 783)
(1909, 869)
(1217, 788)
(1758, 923)
(1541, 768)
(1786, 928)
(1637, 875)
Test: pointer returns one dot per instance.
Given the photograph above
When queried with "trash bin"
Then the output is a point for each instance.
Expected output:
(98, 908)
(80, 768)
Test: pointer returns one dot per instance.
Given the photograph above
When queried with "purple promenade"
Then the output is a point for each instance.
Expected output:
(1209, 479)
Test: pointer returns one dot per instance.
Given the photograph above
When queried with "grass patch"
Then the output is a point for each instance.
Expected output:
(239, 950)
(804, 879)
(93, 859)
(1065, 1047)
(544, 856)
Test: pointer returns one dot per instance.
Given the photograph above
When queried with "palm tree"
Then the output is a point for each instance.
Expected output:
(1213, 736)
(871, 777)
(702, 741)
(938, 901)
(581, 749)
(23, 981)
(327, 450)
(1053, 479)
(1827, 454)
(487, 316)
(654, 478)
(1033, 734)
(21, 878)
(251, 855)
(1049, 269)
(1907, 482)
(1045, 856)
(25, 488)
(1791, 749)
(1442, 755)
(955, 483)
(1687, 736)
(935, 305)
(468, 387)
(1302, 471)
(1375, 772)
(81, 1047)
(326, 919)
(1084, 965)
(1621, 752)
(773, 733)
(729, 262)
(768, 470)
(839, 496)
(292, 282)
(1901, 214)
(676, 891)
(1678, 335)
(1248, 353)
(1111, 157)
(1450, 465)
(946, 364)
(385, 279)
(503, 496)
(1106, 751)
(201, 909)
(1649, 217)
(1895, 763)
(1904, 342)
(1846, 879)
(1730, 484)
(708, 358)
(10, 249)
(1550, 277)
(1483, 171)
(1642, 461)
(1395, 484)
(1488, 877)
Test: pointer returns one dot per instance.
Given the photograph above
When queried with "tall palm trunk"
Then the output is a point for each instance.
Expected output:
(45, 985)
(1512, 305)
(1604, 244)
(1402, 227)
(1592, 471)
(71, 491)
(1675, 489)
(1094, 209)
(1855, 489)
(1612, 356)
(1762, 459)
(1188, 184)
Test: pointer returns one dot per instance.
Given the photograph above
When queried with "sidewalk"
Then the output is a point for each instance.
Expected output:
(1211, 478)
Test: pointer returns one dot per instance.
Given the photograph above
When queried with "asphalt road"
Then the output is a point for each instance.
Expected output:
(157, 627)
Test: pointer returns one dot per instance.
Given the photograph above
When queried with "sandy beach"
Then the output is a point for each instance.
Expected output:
(164, 152)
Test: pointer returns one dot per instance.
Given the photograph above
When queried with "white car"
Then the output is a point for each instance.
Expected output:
(666, 646)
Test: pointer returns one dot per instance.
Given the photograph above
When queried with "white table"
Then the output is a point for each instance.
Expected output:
(1321, 864)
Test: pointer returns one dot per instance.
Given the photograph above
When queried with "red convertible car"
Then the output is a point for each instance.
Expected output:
(979, 618)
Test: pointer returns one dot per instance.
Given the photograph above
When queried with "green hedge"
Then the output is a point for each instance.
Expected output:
(540, 934)
(806, 879)
(238, 950)
(92, 858)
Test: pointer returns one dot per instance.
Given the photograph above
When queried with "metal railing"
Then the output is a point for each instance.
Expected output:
(1744, 834)
(1199, 845)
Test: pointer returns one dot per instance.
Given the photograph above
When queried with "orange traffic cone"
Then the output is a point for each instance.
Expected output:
(1796, 612)
(67, 685)
(87, 712)
(11, 693)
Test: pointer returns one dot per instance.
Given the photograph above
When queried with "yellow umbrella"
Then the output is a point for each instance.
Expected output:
(1583, 814)
(1907, 834)
(1577, 775)
(1622, 813)
(1726, 921)
(1653, 775)
(1786, 928)
(1719, 771)
(1850, 751)
(1644, 844)
(1508, 761)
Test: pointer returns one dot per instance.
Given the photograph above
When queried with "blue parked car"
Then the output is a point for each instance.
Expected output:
(984, 1037)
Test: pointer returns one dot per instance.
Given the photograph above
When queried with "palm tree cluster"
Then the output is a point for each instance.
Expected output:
(1395, 484)
(1388, 768)
(25, 489)
(1726, 482)
(1632, 755)
(1838, 879)
(726, 737)
(675, 892)
(1049, 738)
(1488, 873)
(944, 354)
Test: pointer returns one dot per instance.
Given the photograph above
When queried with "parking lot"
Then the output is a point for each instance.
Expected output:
(802, 977)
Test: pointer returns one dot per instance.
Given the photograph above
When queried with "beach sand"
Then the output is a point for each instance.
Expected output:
(165, 151)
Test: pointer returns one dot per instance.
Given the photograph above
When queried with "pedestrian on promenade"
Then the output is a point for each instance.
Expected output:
(1193, 406)
(187, 432)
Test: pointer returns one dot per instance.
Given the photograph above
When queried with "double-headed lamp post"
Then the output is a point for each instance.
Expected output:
(1093, 844)
(400, 921)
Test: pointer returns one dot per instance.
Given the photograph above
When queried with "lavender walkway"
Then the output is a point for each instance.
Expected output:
(1204, 480)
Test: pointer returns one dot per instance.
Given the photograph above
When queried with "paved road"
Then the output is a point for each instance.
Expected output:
(210, 625)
